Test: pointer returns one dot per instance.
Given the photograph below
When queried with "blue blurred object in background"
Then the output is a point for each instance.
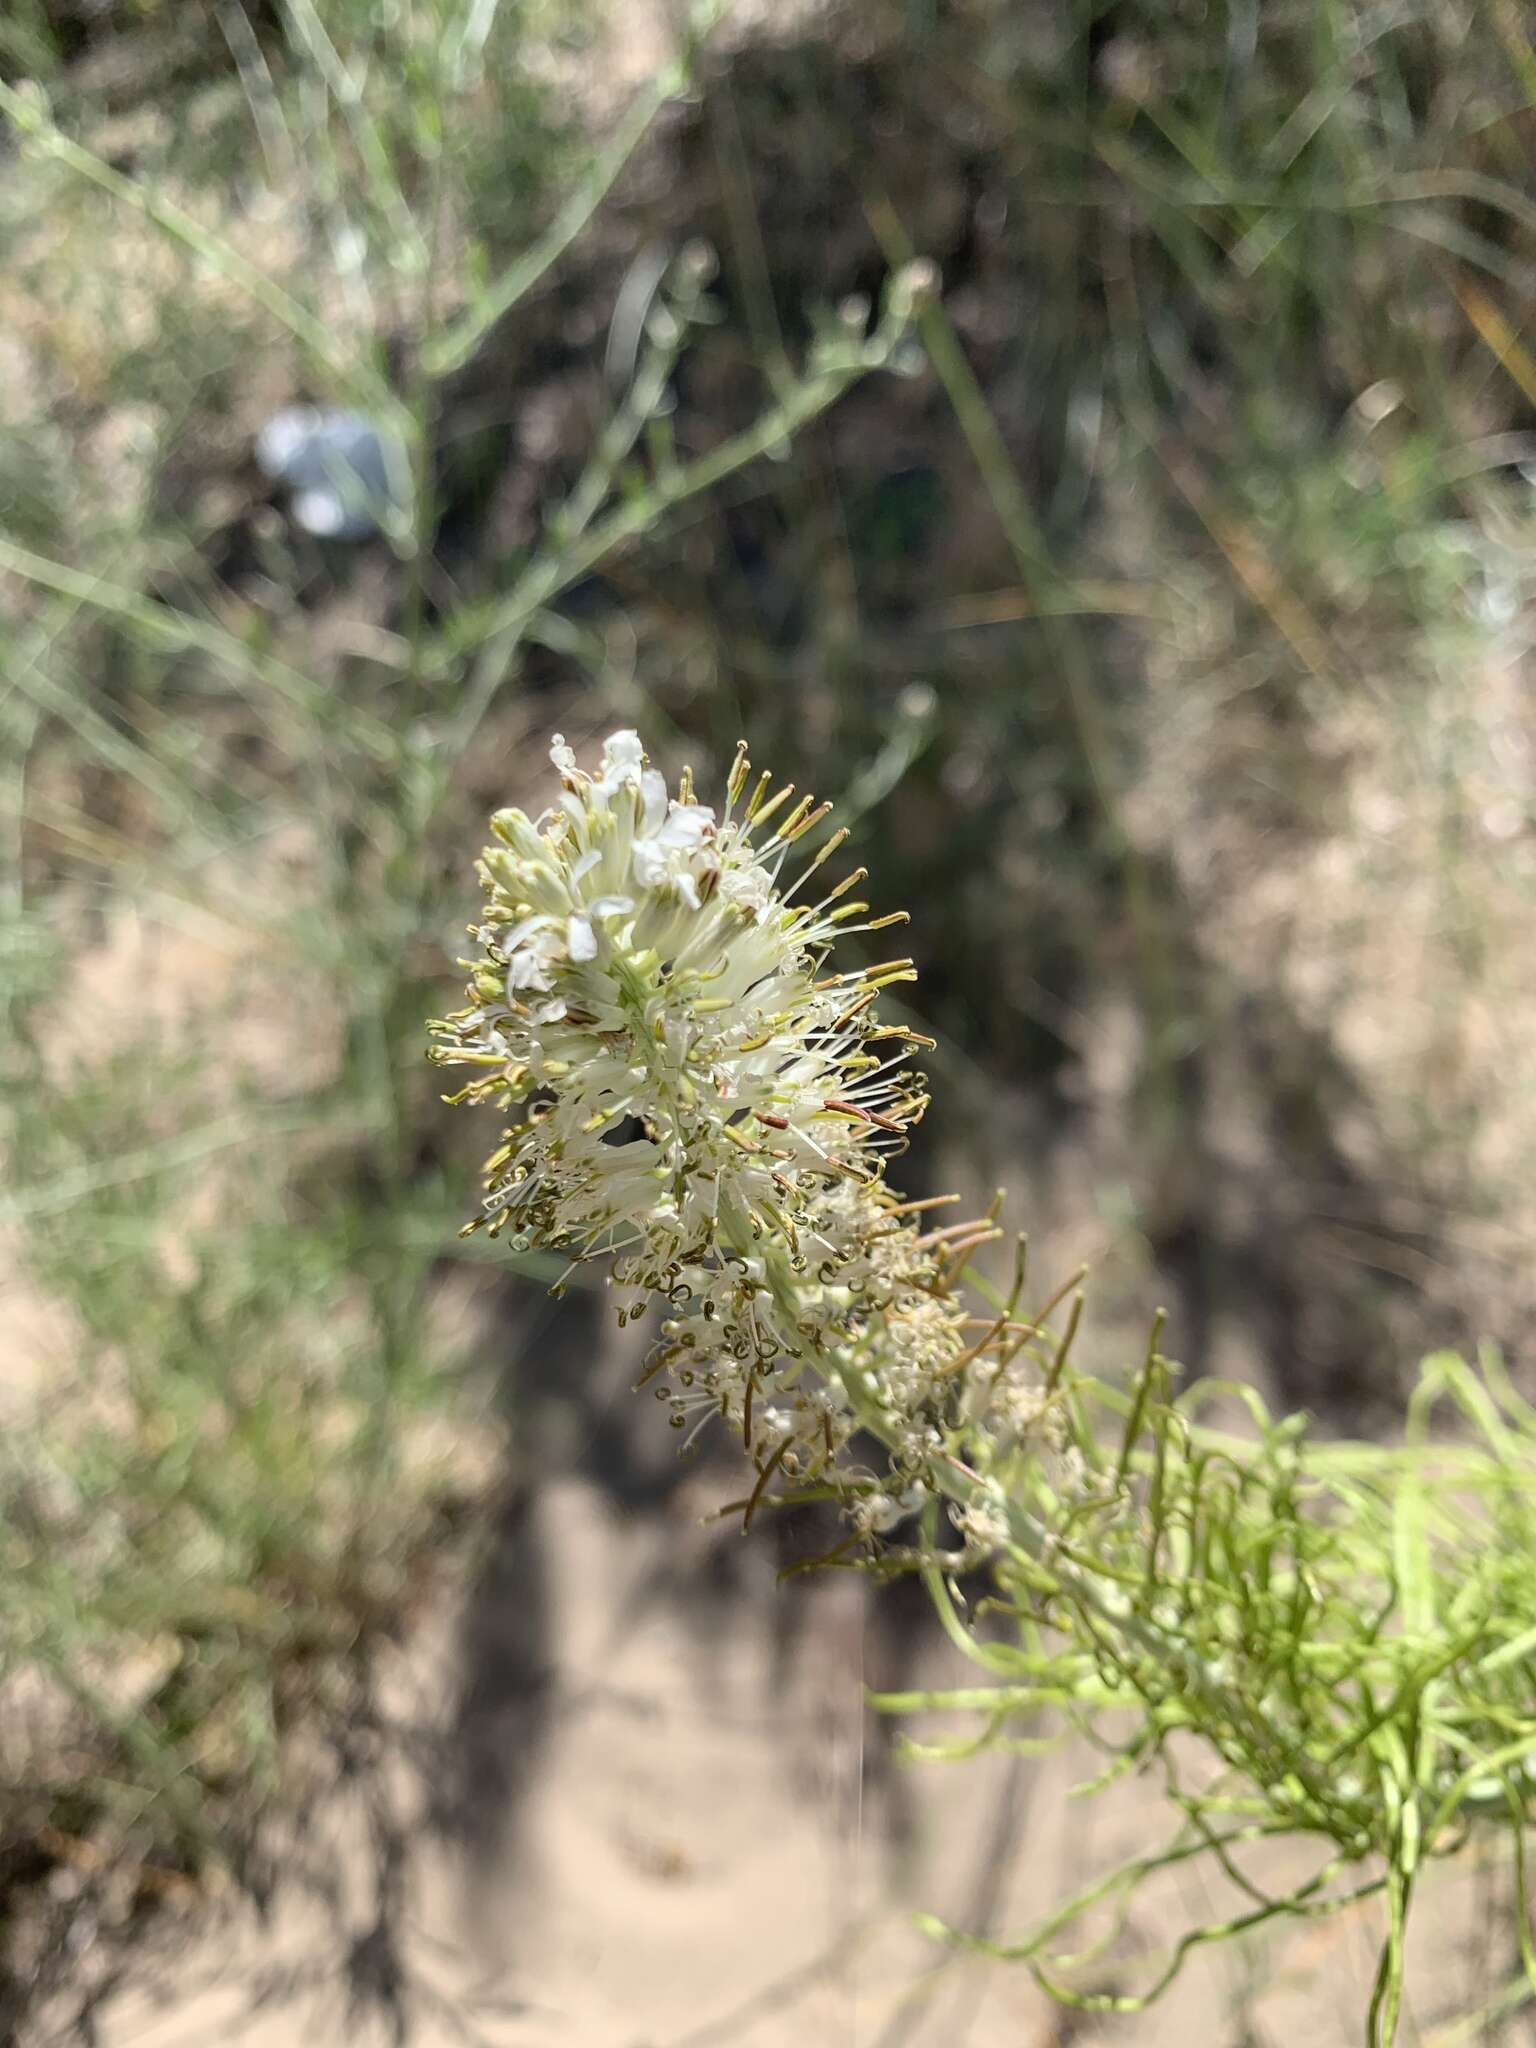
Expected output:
(343, 476)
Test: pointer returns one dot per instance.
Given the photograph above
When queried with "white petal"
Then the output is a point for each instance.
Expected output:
(525, 970)
(563, 757)
(748, 887)
(650, 863)
(622, 758)
(686, 825)
(611, 906)
(524, 929)
(581, 940)
(653, 792)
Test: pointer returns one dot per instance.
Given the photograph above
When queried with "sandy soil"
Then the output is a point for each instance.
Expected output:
(698, 1854)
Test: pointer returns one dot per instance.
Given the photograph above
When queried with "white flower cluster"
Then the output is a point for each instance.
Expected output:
(700, 1102)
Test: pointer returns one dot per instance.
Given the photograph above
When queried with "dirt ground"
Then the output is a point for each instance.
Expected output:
(679, 1839)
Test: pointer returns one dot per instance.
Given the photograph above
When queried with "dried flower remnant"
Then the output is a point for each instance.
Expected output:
(702, 1101)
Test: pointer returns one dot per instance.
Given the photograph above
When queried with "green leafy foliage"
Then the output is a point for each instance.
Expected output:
(1332, 1641)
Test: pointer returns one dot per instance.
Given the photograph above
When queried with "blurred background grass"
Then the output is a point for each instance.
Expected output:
(1161, 613)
